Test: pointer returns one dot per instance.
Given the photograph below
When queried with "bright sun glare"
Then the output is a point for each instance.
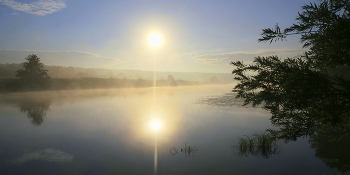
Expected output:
(156, 124)
(155, 40)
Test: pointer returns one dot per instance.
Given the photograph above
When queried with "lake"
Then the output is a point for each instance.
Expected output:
(110, 132)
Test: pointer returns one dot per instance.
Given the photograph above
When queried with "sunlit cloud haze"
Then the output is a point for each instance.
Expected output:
(63, 58)
(197, 36)
(40, 8)
(243, 56)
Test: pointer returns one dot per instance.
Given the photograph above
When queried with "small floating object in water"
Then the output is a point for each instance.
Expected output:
(173, 151)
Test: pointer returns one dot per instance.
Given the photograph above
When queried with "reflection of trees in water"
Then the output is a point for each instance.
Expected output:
(335, 153)
(188, 150)
(34, 104)
(331, 150)
(35, 109)
(259, 145)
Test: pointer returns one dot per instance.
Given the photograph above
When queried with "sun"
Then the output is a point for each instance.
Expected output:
(155, 40)
(156, 125)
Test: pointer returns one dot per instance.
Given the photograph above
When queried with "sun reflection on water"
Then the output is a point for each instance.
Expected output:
(156, 125)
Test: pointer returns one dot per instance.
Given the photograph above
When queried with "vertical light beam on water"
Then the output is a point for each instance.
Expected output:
(155, 154)
(155, 40)
(155, 126)
(154, 103)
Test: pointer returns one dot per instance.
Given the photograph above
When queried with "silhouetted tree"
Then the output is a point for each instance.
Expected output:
(214, 79)
(33, 74)
(301, 92)
(171, 80)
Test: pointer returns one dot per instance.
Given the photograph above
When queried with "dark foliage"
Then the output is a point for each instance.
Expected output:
(304, 94)
(299, 97)
(33, 74)
(324, 28)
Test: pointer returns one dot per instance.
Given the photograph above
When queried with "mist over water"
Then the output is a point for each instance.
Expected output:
(109, 132)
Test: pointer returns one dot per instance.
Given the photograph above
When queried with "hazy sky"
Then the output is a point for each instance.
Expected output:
(198, 35)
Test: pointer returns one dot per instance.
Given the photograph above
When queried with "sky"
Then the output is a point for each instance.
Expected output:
(197, 35)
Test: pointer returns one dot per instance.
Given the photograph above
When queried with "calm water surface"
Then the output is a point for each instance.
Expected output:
(109, 132)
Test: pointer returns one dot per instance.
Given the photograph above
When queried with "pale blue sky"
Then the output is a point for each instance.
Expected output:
(198, 36)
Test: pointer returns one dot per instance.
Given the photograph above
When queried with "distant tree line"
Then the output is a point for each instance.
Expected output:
(8, 71)
(32, 75)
